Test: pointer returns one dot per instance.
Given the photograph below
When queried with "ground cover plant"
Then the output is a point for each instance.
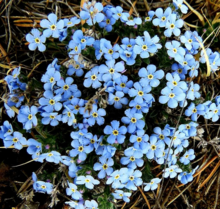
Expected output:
(124, 99)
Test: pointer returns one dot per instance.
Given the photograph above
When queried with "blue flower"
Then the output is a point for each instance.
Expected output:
(54, 65)
(50, 102)
(189, 129)
(193, 91)
(112, 71)
(215, 112)
(83, 136)
(187, 157)
(131, 21)
(179, 140)
(36, 40)
(93, 78)
(50, 78)
(6, 130)
(80, 150)
(173, 26)
(76, 205)
(41, 186)
(215, 61)
(16, 139)
(78, 105)
(150, 16)
(150, 76)
(122, 84)
(66, 160)
(33, 146)
(177, 68)
(162, 135)
(179, 5)
(96, 115)
(140, 108)
(116, 177)
(82, 40)
(133, 120)
(75, 69)
(115, 132)
(108, 21)
(135, 152)
(140, 140)
(152, 185)
(52, 157)
(194, 69)
(72, 191)
(104, 167)
(66, 87)
(175, 51)
(162, 17)
(185, 177)
(76, 48)
(53, 27)
(91, 13)
(172, 171)
(68, 116)
(190, 39)
(132, 179)
(110, 52)
(140, 93)
(91, 204)
(27, 116)
(187, 62)
(146, 45)
(51, 118)
(71, 22)
(172, 96)
(156, 148)
(10, 112)
(174, 81)
(118, 99)
(119, 194)
(97, 47)
(131, 161)
(88, 180)
(117, 12)
(195, 111)
(128, 56)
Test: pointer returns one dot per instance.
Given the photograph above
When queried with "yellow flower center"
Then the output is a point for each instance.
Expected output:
(107, 21)
(132, 159)
(92, 141)
(76, 48)
(172, 95)
(133, 120)
(179, 71)
(174, 50)
(37, 40)
(186, 156)
(153, 147)
(140, 93)
(76, 107)
(53, 27)
(188, 127)
(111, 70)
(105, 166)
(163, 18)
(83, 40)
(171, 170)
(69, 114)
(116, 99)
(65, 87)
(150, 76)
(15, 139)
(87, 180)
(73, 190)
(139, 139)
(147, 18)
(216, 111)
(194, 110)
(190, 40)
(144, 47)
(30, 116)
(174, 83)
(122, 85)
(138, 107)
(50, 154)
(80, 149)
(52, 116)
(93, 77)
(77, 66)
(43, 187)
(110, 51)
(161, 136)
(185, 62)
(172, 26)
(95, 114)
(117, 176)
(131, 178)
(52, 102)
(128, 55)
(115, 132)
(129, 46)
(51, 79)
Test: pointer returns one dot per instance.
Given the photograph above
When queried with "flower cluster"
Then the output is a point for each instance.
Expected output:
(106, 110)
